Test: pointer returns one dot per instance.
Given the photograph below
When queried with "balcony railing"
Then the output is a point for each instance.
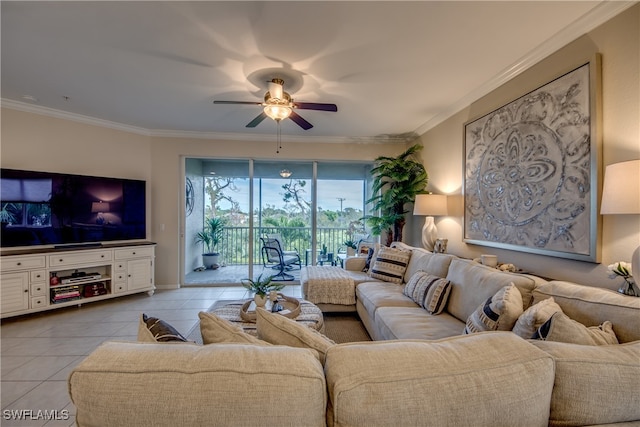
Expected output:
(235, 248)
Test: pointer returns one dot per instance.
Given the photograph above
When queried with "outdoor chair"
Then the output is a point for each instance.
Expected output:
(274, 256)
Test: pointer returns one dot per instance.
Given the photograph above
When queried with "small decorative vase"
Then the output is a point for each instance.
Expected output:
(260, 300)
(629, 287)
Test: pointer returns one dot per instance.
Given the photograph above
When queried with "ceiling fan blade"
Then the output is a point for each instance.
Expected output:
(255, 122)
(315, 106)
(237, 102)
(300, 121)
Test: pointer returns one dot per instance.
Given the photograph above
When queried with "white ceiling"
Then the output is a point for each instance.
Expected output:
(393, 68)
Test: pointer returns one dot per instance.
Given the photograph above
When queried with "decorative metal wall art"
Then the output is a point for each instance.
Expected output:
(531, 170)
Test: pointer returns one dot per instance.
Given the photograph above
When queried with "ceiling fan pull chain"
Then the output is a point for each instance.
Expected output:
(279, 135)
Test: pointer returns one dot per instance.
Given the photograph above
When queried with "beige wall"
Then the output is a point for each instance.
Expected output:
(37, 142)
(618, 42)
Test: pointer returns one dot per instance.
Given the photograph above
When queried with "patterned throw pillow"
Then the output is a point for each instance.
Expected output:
(429, 292)
(499, 313)
(563, 329)
(534, 316)
(367, 263)
(152, 329)
(390, 264)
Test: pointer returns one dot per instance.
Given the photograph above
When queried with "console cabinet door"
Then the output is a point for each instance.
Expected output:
(139, 274)
(15, 292)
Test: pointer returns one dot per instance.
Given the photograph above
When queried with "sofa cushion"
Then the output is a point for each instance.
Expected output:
(563, 329)
(429, 292)
(280, 330)
(373, 295)
(473, 283)
(394, 323)
(434, 264)
(152, 329)
(534, 317)
(487, 379)
(594, 384)
(390, 264)
(498, 313)
(215, 329)
(142, 384)
(592, 306)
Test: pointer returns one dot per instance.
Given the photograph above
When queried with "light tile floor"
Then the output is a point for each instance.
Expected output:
(40, 350)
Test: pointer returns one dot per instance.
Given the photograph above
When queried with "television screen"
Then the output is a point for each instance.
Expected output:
(42, 208)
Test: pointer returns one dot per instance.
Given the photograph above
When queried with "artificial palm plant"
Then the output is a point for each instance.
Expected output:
(396, 182)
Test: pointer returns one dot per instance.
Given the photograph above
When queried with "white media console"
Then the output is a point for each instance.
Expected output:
(45, 279)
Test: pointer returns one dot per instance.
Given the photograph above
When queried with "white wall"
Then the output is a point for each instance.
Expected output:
(618, 42)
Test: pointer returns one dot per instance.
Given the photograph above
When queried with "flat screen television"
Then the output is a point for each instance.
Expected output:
(60, 210)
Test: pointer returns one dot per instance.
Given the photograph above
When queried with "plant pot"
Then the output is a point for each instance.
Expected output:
(211, 260)
(260, 300)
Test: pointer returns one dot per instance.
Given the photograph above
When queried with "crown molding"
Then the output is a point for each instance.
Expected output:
(592, 19)
(59, 114)
(222, 136)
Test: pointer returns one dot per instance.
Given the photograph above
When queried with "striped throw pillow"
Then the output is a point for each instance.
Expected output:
(429, 292)
(390, 264)
(499, 313)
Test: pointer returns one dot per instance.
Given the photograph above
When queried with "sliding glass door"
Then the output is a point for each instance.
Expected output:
(314, 208)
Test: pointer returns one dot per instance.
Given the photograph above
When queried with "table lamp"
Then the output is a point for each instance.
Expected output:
(430, 205)
(621, 196)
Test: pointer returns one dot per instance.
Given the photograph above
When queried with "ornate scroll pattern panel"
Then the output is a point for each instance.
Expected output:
(528, 170)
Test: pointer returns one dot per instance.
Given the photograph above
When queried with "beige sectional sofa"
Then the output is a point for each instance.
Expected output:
(422, 370)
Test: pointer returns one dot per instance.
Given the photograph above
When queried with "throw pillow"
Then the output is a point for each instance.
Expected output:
(563, 329)
(534, 316)
(390, 264)
(215, 329)
(429, 292)
(367, 263)
(152, 329)
(410, 287)
(499, 313)
(280, 330)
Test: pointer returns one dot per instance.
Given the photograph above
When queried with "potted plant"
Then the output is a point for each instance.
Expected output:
(351, 247)
(261, 288)
(396, 182)
(210, 237)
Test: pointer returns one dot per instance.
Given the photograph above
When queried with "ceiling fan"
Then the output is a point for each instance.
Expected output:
(279, 105)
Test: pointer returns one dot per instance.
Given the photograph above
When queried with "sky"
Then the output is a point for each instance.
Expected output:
(329, 193)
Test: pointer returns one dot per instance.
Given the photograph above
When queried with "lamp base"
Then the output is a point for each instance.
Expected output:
(429, 233)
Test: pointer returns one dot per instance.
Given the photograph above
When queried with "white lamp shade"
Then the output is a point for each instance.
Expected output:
(621, 189)
(621, 195)
(430, 204)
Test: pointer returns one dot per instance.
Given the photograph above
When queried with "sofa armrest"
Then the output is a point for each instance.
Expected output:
(355, 263)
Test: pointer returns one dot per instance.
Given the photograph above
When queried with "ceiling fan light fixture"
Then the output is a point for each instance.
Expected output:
(277, 112)
(285, 173)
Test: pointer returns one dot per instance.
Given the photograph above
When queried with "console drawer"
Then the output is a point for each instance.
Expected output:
(40, 301)
(39, 289)
(38, 276)
(9, 263)
(70, 258)
(134, 252)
